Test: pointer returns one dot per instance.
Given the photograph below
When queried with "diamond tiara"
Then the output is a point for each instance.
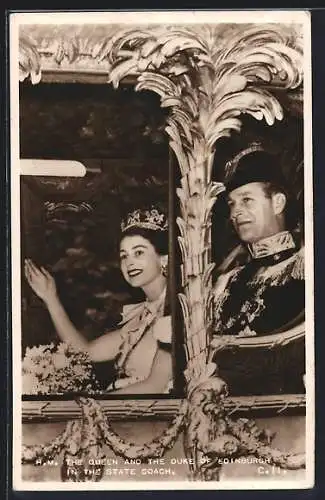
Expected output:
(145, 219)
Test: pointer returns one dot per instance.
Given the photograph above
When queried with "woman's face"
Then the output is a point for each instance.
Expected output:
(140, 262)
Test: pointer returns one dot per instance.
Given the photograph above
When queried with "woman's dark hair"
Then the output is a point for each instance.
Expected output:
(159, 239)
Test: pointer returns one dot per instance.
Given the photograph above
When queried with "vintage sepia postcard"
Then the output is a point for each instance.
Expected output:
(162, 250)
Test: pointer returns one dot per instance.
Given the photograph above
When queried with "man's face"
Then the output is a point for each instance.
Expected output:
(253, 213)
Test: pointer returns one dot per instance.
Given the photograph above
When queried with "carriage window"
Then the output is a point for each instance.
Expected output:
(264, 299)
(98, 242)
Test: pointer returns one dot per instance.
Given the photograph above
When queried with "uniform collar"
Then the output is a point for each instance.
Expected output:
(272, 245)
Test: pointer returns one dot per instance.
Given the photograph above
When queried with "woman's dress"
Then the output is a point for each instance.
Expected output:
(144, 330)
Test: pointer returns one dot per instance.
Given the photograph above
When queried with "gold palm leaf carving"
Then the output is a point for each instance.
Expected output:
(29, 60)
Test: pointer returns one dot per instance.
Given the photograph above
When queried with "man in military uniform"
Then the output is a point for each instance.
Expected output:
(266, 294)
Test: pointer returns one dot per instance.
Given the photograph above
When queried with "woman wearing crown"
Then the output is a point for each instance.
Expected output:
(141, 344)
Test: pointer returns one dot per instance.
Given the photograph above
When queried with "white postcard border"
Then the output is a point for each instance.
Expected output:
(146, 17)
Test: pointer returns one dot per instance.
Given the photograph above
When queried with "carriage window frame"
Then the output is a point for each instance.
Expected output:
(64, 407)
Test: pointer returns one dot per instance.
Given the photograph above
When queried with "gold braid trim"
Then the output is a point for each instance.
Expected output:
(298, 269)
(281, 273)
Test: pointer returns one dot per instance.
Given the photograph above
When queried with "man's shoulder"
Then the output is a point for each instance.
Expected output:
(291, 268)
(298, 269)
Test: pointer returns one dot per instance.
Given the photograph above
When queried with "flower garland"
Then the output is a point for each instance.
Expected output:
(85, 438)
(209, 433)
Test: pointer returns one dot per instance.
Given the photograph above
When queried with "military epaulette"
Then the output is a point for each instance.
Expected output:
(298, 268)
(281, 273)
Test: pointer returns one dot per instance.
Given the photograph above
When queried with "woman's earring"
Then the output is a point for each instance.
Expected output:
(164, 269)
